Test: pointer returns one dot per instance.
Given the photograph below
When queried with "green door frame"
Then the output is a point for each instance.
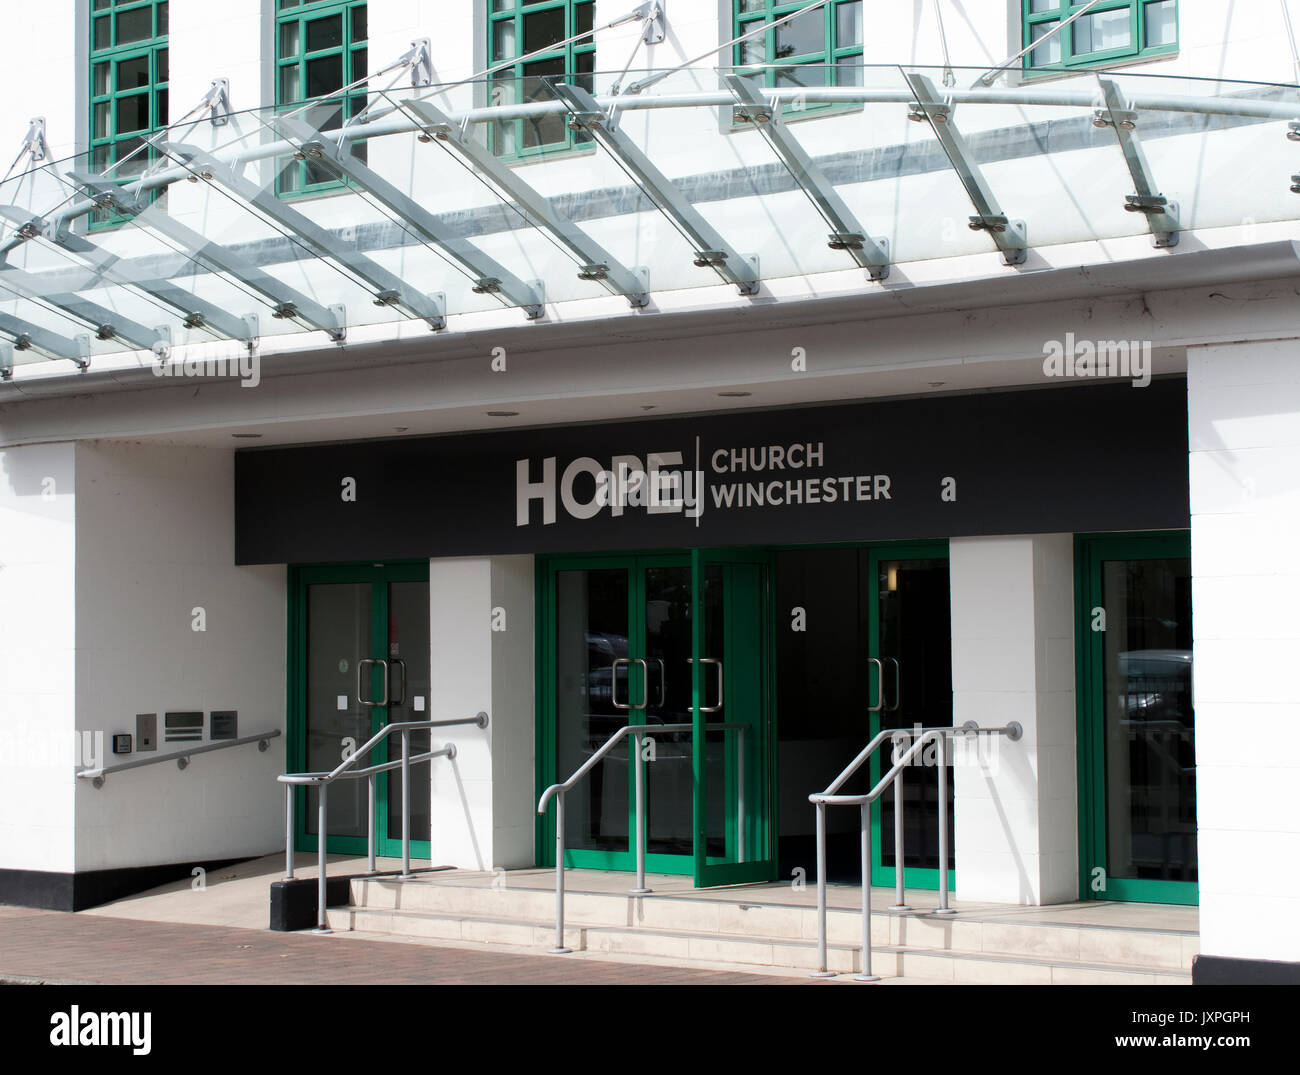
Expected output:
(636, 563)
(881, 875)
(1090, 551)
(301, 576)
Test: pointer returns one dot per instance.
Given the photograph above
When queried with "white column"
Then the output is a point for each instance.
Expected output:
(1013, 660)
(481, 612)
(1244, 436)
(37, 659)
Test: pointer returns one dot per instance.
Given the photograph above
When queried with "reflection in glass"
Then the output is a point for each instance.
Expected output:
(591, 627)
(338, 635)
(1101, 31)
(1149, 721)
(408, 692)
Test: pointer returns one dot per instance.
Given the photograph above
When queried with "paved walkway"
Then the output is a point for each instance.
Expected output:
(54, 946)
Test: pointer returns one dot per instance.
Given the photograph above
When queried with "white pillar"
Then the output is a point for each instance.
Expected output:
(481, 612)
(1244, 436)
(1013, 660)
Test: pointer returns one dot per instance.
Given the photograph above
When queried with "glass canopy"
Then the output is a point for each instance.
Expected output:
(443, 200)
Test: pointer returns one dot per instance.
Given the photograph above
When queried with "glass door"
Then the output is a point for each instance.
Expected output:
(731, 744)
(619, 646)
(910, 631)
(1137, 725)
(359, 659)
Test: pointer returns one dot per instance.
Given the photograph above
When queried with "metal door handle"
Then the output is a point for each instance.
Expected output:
(663, 680)
(717, 664)
(362, 665)
(898, 686)
(613, 683)
(645, 682)
(880, 685)
(401, 697)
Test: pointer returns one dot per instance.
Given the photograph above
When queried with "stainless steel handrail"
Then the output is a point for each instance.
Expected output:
(348, 770)
(1012, 731)
(558, 791)
(181, 757)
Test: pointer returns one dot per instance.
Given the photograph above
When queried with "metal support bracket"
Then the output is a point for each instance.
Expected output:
(217, 102)
(6, 362)
(34, 144)
(846, 232)
(711, 249)
(420, 60)
(82, 357)
(163, 348)
(655, 29)
(1161, 213)
(596, 263)
(1011, 236)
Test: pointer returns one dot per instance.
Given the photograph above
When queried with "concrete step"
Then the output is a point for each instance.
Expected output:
(795, 924)
(753, 951)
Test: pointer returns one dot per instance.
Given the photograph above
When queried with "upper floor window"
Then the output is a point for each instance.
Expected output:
(128, 86)
(518, 28)
(819, 48)
(320, 47)
(1113, 30)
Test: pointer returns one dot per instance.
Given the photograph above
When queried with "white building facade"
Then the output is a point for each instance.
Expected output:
(867, 373)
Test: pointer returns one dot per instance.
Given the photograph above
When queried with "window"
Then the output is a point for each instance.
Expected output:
(128, 86)
(823, 46)
(518, 28)
(1113, 30)
(320, 47)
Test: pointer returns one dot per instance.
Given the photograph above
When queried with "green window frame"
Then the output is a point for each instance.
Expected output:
(128, 86)
(516, 28)
(320, 47)
(827, 37)
(1148, 28)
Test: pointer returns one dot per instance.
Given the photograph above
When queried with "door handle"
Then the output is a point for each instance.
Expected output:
(663, 680)
(898, 686)
(718, 665)
(361, 696)
(645, 682)
(401, 697)
(613, 683)
(880, 685)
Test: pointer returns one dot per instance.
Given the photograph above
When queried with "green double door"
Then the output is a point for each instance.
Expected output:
(675, 642)
(359, 659)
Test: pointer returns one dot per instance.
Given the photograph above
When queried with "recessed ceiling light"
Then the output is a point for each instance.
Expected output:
(503, 414)
(649, 407)
(735, 395)
(247, 436)
(400, 429)
(937, 384)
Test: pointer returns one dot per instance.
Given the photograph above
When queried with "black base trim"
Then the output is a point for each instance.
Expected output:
(50, 891)
(293, 903)
(1221, 970)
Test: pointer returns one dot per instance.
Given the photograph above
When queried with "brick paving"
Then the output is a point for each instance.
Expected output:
(56, 946)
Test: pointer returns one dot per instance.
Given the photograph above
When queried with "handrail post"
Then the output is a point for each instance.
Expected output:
(288, 832)
(322, 922)
(900, 859)
(559, 948)
(406, 804)
(822, 970)
(866, 975)
(943, 907)
(372, 796)
(638, 746)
